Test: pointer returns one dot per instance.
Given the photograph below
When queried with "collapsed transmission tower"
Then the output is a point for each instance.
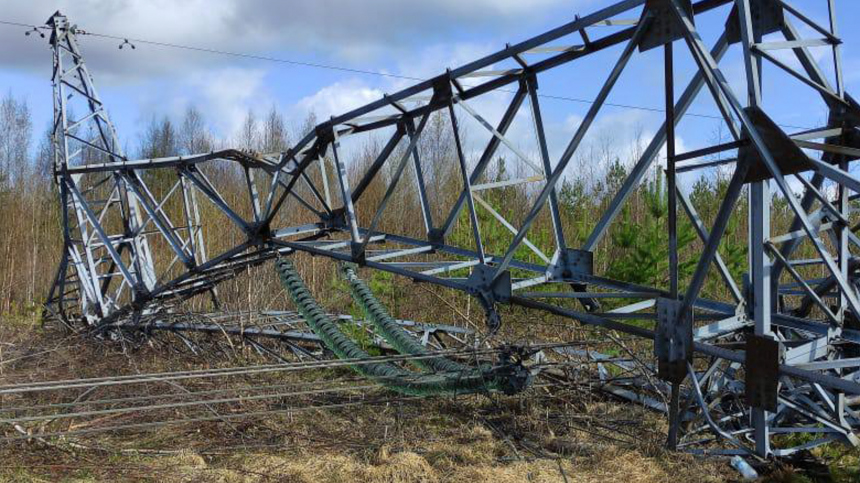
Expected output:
(781, 358)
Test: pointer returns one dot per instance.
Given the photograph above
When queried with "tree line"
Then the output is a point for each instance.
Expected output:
(634, 250)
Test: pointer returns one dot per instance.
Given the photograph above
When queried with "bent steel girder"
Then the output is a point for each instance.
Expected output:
(747, 370)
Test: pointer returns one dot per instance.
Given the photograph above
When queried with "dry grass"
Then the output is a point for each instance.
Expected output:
(558, 434)
(478, 456)
(539, 436)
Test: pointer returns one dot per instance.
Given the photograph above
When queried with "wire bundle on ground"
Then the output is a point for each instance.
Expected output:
(508, 378)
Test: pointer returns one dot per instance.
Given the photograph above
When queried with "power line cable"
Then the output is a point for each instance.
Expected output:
(220, 417)
(177, 395)
(19, 24)
(373, 72)
(237, 370)
(184, 404)
(351, 69)
(244, 370)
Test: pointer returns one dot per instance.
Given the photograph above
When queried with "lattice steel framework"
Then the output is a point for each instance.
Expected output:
(747, 371)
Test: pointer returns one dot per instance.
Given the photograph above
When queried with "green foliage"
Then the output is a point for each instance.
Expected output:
(359, 334)
(642, 247)
(706, 196)
(362, 335)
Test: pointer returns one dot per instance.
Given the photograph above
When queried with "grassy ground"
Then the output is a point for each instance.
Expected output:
(558, 434)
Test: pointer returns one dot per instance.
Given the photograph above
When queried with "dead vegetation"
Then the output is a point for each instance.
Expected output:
(546, 434)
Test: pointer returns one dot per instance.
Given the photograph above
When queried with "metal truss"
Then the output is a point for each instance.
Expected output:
(741, 373)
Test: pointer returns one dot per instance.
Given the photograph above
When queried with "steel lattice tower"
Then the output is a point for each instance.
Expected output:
(781, 357)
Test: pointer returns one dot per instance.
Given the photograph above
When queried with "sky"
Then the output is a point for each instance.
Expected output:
(402, 37)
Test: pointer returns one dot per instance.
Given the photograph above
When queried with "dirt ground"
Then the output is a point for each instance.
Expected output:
(547, 434)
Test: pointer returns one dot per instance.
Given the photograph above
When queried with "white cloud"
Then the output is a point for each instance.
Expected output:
(338, 98)
(434, 59)
(225, 96)
(355, 31)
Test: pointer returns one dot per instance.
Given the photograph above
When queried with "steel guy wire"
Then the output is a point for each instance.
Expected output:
(177, 395)
(243, 370)
(222, 417)
(228, 371)
(207, 401)
(183, 404)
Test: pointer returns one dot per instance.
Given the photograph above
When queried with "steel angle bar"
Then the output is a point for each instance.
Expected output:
(164, 226)
(374, 168)
(652, 151)
(491, 73)
(720, 328)
(554, 49)
(707, 64)
(345, 193)
(304, 202)
(807, 351)
(540, 135)
(339, 245)
(324, 200)
(310, 153)
(835, 364)
(829, 94)
(808, 21)
(216, 199)
(634, 307)
(792, 44)
(159, 207)
(487, 156)
(819, 133)
(174, 260)
(837, 50)
(324, 172)
(704, 236)
(467, 186)
(506, 183)
(398, 172)
(483, 122)
(596, 295)
(733, 192)
(253, 195)
(453, 267)
(716, 149)
(826, 205)
(150, 163)
(75, 124)
(273, 186)
(829, 148)
(297, 230)
(422, 264)
(93, 220)
(573, 145)
(806, 288)
(400, 253)
(419, 181)
(537, 251)
(832, 172)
